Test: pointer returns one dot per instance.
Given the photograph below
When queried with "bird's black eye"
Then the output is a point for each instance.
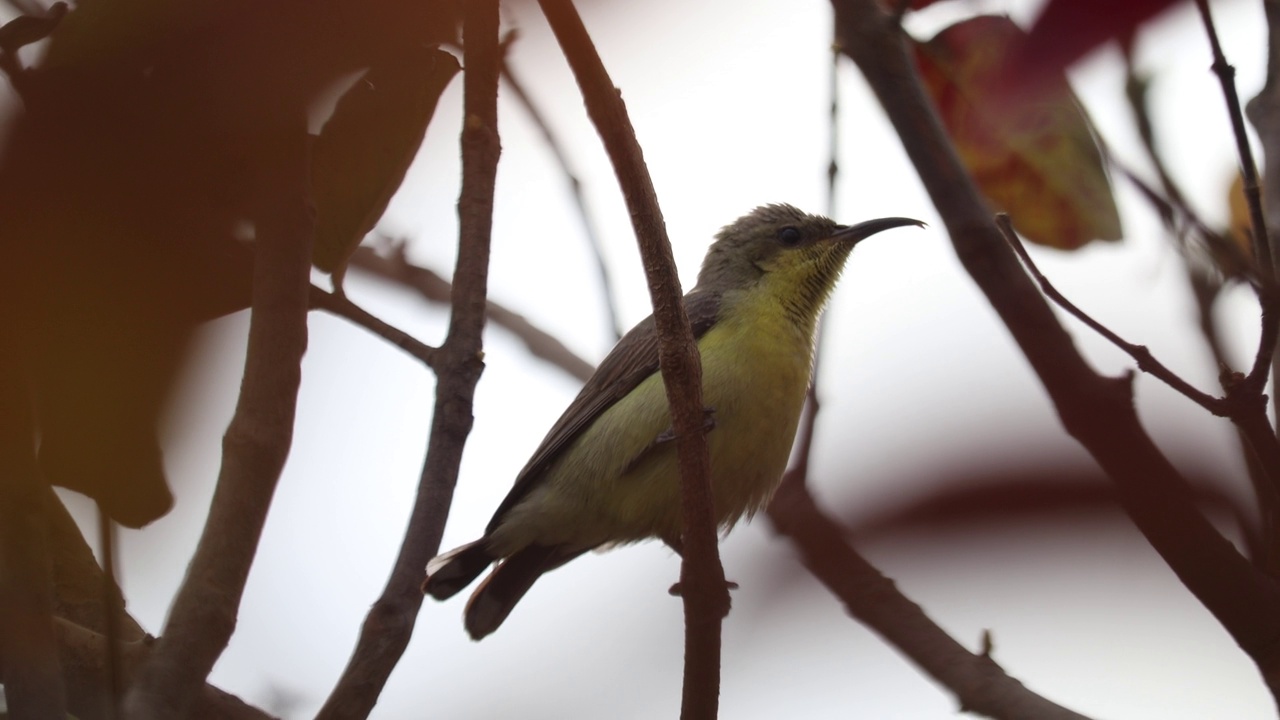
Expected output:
(789, 236)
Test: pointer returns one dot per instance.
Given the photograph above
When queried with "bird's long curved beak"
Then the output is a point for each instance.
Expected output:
(853, 233)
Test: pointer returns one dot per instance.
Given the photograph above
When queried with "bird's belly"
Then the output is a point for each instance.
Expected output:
(753, 384)
(614, 485)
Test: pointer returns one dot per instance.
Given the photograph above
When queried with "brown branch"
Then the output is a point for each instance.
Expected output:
(1264, 113)
(575, 186)
(341, 306)
(388, 626)
(1146, 361)
(1246, 409)
(1095, 410)
(1249, 170)
(434, 288)
(254, 447)
(705, 593)
(84, 657)
(980, 684)
(1257, 378)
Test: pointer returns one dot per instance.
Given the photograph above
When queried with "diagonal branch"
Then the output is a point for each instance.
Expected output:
(706, 596)
(978, 682)
(1140, 353)
(340, 305)
(575, 185)
(1096, 410)
(389, 624)
(432, 287)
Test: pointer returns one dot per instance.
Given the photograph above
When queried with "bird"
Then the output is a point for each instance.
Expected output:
(607, 474)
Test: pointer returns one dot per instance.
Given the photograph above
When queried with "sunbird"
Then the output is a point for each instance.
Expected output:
(607, 473)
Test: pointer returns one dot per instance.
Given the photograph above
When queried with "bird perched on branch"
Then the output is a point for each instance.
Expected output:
(607, 472)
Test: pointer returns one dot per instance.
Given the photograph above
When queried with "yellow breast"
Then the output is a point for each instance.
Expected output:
(755, 364)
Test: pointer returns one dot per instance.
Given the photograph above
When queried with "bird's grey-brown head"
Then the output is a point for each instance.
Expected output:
(801, 254)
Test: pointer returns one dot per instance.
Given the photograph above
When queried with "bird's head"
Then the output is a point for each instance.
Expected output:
(796, 255)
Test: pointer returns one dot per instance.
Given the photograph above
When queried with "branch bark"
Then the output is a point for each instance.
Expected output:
(705, 593)
(389, 624)
(980, 684)
(1096, 410)
(432, 287)
(254, 447)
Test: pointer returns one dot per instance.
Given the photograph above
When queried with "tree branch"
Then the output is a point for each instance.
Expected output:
(1095, 410)
(255, 445)
(389, 624)
(705, 593)
(978, 682)
(341, 306)
(575, 186)
(1140, 354)
(1256, 381)
(434, 288)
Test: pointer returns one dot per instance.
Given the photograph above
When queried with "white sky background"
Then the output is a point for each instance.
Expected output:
(919, 380)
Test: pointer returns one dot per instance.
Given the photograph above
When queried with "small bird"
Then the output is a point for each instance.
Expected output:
(607, 473)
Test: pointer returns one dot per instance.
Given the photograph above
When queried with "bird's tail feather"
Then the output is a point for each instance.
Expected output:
(448, 573)
(493, 601)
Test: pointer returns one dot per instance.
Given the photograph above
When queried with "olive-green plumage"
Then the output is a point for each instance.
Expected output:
(607, 471)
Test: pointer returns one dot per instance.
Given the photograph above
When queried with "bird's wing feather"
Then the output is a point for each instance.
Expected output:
(632, 360)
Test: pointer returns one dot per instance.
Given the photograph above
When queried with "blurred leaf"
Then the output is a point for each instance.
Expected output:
(1033, 157)
(1238, 209)
(1068, 29)
(365, 149)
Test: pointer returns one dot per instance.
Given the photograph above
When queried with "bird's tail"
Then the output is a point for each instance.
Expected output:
(493, 601)
(450, 572)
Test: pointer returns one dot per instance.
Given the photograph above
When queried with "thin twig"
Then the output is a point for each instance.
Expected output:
(1229, 259)
(341, 306)
(1227, 78)
(389, 624)
(1170, 211)
(254, 448)
(1245, 408)
(540, 343)
(980, 684)
(575, 186)
(1146, 361)
(1264, 113)
(705, 593)
(1257, 378)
